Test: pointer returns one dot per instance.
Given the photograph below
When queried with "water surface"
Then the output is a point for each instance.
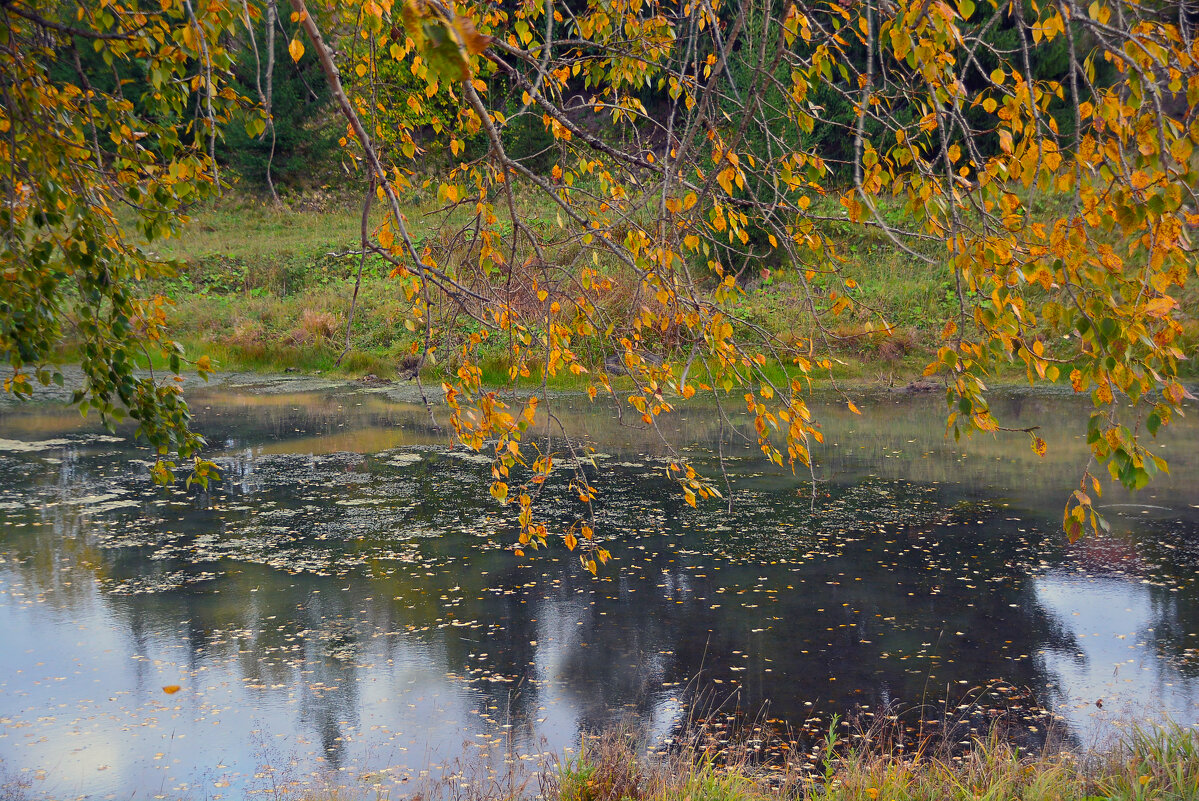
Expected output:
(345, 603)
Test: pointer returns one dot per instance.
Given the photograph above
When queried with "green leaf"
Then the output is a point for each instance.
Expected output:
(1153, 423)
(1140, 478)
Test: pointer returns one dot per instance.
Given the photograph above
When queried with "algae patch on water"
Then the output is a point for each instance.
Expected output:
(40, 446)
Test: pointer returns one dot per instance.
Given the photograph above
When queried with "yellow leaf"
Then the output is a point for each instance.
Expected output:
(296, 49)
(171, 689)
(1160, 307)
(1005, 141)
(725, 179)
(853, 408)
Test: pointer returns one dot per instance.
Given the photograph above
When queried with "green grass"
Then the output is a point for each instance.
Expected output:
(268, 289)
(244, 229)
(264, 289)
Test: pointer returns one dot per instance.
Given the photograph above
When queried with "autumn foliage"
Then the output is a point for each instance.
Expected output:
(684, 152)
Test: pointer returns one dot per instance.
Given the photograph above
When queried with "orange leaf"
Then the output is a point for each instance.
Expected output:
(1160, 307)
(475, 42)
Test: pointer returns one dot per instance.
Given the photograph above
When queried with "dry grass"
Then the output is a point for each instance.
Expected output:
(317, 327)
(1154, 763)
(1149, 763)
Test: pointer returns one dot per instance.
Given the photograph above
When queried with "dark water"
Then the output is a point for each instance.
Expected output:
(343, 604)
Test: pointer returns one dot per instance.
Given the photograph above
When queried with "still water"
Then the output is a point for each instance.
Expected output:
(343, 607)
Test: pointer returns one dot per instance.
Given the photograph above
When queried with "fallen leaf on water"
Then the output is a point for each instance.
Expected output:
(171, 689)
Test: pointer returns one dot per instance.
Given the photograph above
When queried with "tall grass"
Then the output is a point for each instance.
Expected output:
(1150, 763)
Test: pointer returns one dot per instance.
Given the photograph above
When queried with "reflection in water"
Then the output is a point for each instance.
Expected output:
(341, 602)
(1127, 652)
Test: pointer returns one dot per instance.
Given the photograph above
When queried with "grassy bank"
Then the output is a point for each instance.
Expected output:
(1146, 764)
(1149, 763)
(263, 288)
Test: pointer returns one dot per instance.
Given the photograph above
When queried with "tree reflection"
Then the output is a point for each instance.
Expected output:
(329, 591)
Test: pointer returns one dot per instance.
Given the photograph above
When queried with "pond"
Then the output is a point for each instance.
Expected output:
(344, 605)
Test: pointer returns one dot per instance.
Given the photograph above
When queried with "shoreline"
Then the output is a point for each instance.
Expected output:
(268, 382)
